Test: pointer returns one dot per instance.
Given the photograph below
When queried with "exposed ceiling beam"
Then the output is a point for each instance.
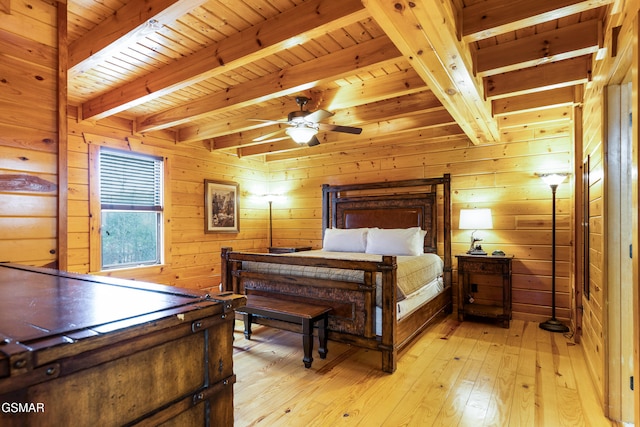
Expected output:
(425, 32)
(535, 101)
(300, 77)
(294, 26)
(373, 90)
(135, 20)
(563, 43)
(387, 109)
(548, 76)
(547, 117)
(492, 17)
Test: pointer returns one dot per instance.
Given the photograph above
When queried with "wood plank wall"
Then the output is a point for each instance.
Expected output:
(609, 70)
(193, 259)
(28, 133)
(592, 320)
(500, 177)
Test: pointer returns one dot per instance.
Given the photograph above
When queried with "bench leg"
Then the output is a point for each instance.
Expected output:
(322, 336)
(248, 319)
(307, 342)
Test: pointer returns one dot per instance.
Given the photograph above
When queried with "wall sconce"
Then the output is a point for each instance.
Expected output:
(553, 180)
(475, 219)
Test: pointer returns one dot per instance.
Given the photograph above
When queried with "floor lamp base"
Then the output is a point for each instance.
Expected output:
(554, 325)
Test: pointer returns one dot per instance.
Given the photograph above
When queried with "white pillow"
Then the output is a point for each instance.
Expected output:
(345, 240)
(423, 235)
(395, 241)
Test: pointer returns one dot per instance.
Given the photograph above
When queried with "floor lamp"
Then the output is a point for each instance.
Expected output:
(269, 198)
(553, 324)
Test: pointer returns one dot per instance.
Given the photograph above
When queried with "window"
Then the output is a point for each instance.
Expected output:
(131, 207)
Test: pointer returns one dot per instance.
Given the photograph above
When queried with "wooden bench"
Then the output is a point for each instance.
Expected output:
(300, 313)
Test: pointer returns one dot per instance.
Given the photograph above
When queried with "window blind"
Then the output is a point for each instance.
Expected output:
(129, 181)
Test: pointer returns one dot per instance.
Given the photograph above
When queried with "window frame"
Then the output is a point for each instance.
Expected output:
(95, 206)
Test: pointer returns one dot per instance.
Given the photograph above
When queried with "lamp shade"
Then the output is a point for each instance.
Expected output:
(475, 219)
(301, 134)
(552, 179)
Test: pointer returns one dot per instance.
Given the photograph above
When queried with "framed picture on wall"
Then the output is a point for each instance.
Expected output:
(221, 207)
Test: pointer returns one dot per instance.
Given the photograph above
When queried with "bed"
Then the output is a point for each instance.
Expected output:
(371, 304)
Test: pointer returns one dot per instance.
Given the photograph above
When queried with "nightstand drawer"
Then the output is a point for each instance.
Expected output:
(484, 267)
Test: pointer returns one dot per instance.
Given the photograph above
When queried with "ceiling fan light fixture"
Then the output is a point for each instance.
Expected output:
(301, 135)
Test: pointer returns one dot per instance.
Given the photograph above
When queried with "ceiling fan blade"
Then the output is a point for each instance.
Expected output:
(313, 142)
(338, 128)
(316, 116)
(268, 135)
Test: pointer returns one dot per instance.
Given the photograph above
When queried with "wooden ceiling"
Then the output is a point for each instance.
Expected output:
(417, 71)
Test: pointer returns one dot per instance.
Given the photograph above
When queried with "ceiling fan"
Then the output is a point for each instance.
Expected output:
(304, 125)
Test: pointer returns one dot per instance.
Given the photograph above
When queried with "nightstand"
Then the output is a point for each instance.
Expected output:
(286, 250)
(484, 287)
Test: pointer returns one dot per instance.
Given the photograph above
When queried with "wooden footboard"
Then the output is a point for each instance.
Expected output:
(352, 319)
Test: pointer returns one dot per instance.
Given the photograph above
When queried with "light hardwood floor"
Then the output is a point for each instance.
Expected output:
(454, 374)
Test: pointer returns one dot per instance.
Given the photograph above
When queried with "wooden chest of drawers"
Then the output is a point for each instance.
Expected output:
(86, 350)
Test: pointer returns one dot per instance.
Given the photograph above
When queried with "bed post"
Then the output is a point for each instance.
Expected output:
(225, 276)
(447, 230)
(326, 207)
(389, 316)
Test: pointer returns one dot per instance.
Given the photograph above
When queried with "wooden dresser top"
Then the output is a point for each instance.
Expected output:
(37, 303)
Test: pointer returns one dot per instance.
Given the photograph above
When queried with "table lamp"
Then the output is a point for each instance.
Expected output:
(475, 219)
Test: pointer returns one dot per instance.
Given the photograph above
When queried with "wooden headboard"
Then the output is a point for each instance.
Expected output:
(394, 204)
